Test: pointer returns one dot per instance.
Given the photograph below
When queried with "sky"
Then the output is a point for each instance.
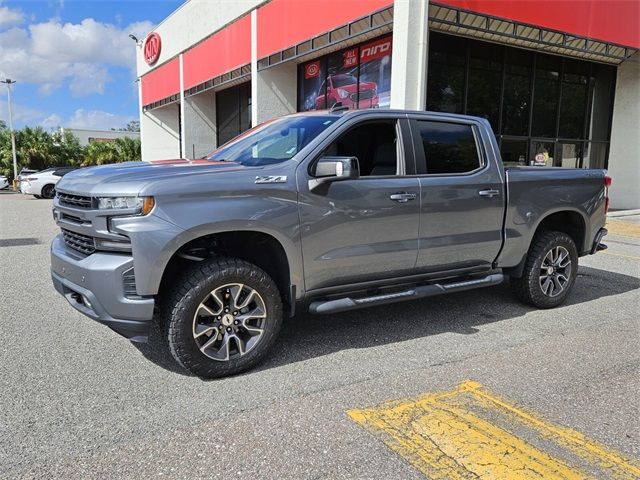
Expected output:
(73, 60)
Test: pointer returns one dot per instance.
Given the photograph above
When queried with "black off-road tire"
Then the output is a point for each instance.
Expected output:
(48, 191)
(527, 288)
(191, 288)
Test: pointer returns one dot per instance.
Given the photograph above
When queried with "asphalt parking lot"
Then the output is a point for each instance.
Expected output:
(78, 401)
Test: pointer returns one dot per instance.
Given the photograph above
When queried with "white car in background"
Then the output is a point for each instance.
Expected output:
(43, 184)
(4, 182)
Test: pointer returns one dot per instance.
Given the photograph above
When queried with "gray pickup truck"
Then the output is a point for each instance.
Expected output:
(327, 211)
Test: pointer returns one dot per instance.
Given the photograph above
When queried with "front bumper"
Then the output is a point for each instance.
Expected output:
(93, 285)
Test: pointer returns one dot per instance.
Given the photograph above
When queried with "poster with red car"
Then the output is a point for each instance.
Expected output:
(357, 77)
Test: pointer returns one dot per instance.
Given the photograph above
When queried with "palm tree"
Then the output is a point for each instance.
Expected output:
(128, 149)
(34, 147)
(67, 149)
(101, 153)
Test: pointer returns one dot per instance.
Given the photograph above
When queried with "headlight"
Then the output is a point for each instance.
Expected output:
(140, 205)
(343, 93)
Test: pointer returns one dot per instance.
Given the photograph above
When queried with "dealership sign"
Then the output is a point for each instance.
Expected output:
(152, 46)
(377, 49)
(312, 70)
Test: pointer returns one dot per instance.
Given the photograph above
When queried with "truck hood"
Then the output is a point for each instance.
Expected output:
(131, 177)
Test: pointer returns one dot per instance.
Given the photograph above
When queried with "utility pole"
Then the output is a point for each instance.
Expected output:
(9, 82)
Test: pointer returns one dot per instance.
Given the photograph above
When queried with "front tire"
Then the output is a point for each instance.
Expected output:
(222, 317)
(550, 271)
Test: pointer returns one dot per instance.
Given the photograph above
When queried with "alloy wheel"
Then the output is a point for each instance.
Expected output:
(555, 271)
(229, 322)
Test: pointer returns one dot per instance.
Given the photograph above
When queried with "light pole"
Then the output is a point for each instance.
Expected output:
(9, 82)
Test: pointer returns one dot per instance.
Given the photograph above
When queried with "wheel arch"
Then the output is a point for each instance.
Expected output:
(573, 222)
(254, 246)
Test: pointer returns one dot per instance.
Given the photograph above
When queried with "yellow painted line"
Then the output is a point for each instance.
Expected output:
(626, 229)
(620, 255)
(454, 435)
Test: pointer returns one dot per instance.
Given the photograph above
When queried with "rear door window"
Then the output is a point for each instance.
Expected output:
(449, 148)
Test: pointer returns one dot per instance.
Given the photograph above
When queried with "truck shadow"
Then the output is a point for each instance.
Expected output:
(308, 336)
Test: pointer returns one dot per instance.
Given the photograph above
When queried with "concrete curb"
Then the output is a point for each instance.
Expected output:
(623, 213)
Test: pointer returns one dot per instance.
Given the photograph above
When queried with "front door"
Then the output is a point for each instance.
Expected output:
(364, 229)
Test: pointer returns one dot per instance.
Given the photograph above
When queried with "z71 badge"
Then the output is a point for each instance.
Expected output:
(271, 179)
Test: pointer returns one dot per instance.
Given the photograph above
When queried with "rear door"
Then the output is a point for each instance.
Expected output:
(363, 229)
(462, 194)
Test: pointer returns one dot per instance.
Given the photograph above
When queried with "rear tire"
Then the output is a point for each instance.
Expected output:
(48, 191)
(222, 317)
(550, 271)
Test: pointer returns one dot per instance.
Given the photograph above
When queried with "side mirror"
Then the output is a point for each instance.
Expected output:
(334, 169)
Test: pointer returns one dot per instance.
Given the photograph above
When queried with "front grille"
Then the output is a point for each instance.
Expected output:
(366, 94)
(76, 201)
(129, 283)
(79, 242)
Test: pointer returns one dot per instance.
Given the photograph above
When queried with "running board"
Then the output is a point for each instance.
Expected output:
(347, 303)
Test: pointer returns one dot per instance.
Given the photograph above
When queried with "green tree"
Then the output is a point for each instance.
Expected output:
(3, 125)
(100, 153)
(128, 149)
(67, 149)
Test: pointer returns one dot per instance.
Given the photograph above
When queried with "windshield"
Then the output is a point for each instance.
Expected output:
(274, 141)
(343, 80)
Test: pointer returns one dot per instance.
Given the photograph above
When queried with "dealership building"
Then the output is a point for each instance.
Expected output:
(559, 81)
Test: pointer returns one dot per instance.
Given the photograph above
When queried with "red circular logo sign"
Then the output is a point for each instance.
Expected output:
(152, 45)
(312, 69)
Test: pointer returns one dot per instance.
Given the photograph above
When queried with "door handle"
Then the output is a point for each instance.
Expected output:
(402, 197)
(489, 193)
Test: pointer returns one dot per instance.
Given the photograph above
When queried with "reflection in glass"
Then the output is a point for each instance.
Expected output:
(485, 68)
(574, 99)
(447, 63)
(517, 92)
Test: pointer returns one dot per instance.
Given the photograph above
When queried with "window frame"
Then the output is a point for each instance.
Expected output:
(421, 156)
(405, 153)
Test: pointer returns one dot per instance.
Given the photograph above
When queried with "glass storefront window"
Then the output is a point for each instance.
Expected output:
(485, 72)
(446, 80)
(517, 92)
(573, 101)
(595, 155)
(545, 100)
(514, 152)
(569, 154)
(602, 83)
(357, 77)
(546, 108)
(541, 153)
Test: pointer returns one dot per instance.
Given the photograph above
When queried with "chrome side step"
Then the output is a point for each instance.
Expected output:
(348, 303)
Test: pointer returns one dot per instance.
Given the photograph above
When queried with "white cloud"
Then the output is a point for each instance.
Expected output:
(96, 119)
(21, 113)
(53, 54)
(10, 17)
(81, 118)
(52, 121)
